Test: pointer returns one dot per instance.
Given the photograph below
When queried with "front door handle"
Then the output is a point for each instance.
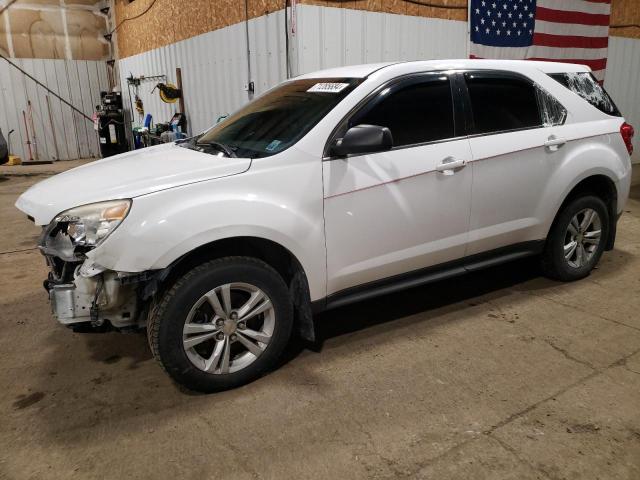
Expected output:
(553, 143)
(450, 164)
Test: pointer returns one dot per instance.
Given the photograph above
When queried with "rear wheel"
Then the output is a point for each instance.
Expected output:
(577, 239)
(222, 325)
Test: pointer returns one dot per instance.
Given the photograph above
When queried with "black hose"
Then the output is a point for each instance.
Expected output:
(286, 40)
(46, 88)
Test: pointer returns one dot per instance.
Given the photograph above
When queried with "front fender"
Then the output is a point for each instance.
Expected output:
(164, 226)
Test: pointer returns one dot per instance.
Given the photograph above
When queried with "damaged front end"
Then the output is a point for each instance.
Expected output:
(86, 296)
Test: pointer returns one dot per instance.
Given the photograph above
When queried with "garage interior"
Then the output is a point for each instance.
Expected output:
(501, 374)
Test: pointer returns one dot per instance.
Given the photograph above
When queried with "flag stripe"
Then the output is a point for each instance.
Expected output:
(560, 53)
(571, 29)
(599, 64)
(566, 41)
(573, 32)
(599, 74)
(563, 16)
(576, 6)
(581, 56)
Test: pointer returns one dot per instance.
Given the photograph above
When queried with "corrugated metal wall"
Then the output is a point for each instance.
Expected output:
(214, 70)
(622, 77)
(214, 64)
(330, 37)
(77, 81)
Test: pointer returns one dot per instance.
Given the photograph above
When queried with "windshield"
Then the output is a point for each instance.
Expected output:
(277, 119)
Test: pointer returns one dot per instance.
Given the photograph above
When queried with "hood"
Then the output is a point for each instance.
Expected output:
(128, 175)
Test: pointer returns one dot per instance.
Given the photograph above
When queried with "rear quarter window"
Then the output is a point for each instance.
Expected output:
(586, 86)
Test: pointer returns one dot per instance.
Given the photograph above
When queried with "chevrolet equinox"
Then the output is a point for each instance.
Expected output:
(330, 188)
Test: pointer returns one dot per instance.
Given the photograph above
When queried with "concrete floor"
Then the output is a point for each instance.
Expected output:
(500, 375)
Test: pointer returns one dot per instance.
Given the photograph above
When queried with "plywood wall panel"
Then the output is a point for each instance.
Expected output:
(401, 7)
(625, 12)
(168, 21)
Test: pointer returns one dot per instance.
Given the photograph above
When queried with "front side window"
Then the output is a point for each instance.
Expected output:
(416, 113)
(501, 104)
(587, 87)
(277, 119)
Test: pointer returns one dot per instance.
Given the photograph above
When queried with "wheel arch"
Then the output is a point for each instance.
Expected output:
(602, 186)
(272, 253)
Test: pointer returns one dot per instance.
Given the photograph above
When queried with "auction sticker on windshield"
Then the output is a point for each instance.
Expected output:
(328, 87)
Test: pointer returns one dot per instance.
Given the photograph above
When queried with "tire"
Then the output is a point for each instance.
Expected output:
(225, 360)
(554, 263)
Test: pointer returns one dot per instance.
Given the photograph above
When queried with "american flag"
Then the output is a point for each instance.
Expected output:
(571, 31)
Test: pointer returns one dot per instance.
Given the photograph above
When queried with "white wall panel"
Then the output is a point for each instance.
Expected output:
(214, 70)
(621, 80)
(78, 82)
(214, 64)
(329, 37)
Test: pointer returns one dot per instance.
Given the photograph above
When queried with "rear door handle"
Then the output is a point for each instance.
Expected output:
(553, 143)
(449, 164)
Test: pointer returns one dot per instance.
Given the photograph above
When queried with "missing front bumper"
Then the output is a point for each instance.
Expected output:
(96, 300)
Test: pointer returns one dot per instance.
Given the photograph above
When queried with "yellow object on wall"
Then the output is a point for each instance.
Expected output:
(13, 160)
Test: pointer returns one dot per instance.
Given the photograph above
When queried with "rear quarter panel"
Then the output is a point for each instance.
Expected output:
(594, 147)
(588, 152)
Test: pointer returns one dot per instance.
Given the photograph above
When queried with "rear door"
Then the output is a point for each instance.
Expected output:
(516, 141)
(389, 213)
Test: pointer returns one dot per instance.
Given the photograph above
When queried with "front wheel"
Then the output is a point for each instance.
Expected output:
(577, 239)
(222, 325)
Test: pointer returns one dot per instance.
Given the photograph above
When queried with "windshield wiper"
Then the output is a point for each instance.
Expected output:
(220, 146)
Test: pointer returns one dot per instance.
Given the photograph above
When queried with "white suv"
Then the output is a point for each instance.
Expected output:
(330, 188)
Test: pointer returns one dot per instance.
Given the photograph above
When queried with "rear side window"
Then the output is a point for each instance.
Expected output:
(586, 85)
(501, 104)
(416, 113)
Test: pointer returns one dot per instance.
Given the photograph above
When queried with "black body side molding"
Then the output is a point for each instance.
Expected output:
(428, 275)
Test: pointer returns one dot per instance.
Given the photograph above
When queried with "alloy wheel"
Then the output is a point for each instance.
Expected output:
(228, 328)
(582, 237)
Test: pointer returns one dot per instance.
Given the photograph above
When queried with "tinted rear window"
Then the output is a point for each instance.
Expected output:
(585, 85)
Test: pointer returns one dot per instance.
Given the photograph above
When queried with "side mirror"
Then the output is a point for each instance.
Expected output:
(363, 139)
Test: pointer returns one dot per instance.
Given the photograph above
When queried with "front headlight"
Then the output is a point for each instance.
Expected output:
(89, 225)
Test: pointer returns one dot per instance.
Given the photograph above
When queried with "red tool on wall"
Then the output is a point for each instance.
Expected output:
(33, 130)
(26, 127)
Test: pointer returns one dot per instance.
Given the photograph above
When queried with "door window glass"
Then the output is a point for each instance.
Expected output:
(502, 103)
(417, 113)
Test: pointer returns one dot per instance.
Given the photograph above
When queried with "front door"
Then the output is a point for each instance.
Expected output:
(394, 212)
